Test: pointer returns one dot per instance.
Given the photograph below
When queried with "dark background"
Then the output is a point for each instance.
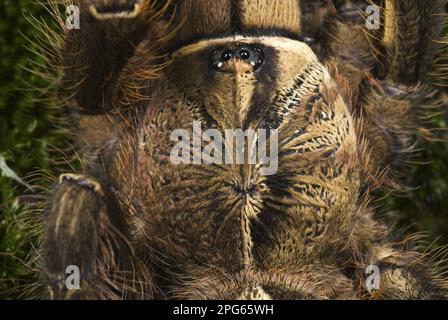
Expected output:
(29, 138)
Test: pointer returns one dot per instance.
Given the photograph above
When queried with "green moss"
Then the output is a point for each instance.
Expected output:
(26, 134)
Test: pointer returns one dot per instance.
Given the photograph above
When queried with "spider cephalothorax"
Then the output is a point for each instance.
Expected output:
(309, 73)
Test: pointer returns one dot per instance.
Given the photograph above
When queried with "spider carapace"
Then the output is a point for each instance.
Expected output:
(339, 102)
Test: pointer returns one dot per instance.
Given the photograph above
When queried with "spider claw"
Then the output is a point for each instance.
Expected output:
(116, 9)
(81, 180)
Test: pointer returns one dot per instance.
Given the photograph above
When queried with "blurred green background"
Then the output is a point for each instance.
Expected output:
(29, 139)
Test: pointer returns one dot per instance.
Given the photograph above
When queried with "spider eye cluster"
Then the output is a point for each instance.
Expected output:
(252, 55)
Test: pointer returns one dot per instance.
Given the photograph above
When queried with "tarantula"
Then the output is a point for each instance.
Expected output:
(345, 101)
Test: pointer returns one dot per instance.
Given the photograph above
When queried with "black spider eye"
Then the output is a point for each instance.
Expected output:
(258, 57)
(247, 53)
(258, 51)
(227, 55)
(244, 54)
